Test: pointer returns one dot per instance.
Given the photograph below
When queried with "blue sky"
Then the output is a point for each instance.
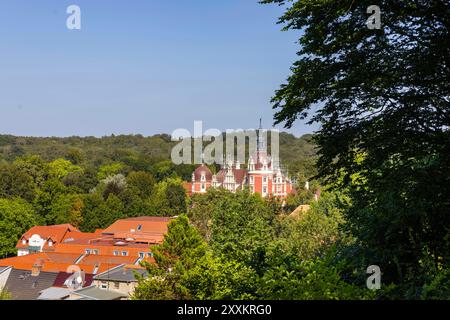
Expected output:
(140, 66)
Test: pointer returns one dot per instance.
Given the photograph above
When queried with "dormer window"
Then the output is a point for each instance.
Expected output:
(139, 227)
(50, 243)
(24, 241)
(203, 177)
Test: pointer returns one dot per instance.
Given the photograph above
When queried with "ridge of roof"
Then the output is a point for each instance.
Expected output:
(109, 270)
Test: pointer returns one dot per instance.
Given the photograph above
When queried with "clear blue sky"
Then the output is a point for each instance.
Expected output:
(140, 66)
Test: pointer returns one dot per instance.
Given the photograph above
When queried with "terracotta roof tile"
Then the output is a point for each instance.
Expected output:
(139, 224)
(202, 170)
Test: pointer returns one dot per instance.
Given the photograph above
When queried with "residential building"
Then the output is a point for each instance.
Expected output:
(43, 238)
(48, 268)
(122, 278)
(27, 285)
(94, 293)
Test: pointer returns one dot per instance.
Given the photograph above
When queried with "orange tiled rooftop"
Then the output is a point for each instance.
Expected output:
(127, 241)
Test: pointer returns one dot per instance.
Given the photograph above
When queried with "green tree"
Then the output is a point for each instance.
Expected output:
(168, 198)
(381, 93)
(16, 183)
(176, 194)
(114, 185)
(75, 156)
(185, 268)
(93, 212)
(143, 183)
(46, 196)
(16, 217)
(98, 213)
(60, 168)
(34, 166)
(315, 279)
(110, 170)
(180, 251)
(85, 180)
(163, 170)
(4, 294)
(312, 233)
(237, 225)
(220, 279)
(66, 208)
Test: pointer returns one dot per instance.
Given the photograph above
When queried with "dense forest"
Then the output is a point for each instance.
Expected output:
(91, 182)
(140, 153)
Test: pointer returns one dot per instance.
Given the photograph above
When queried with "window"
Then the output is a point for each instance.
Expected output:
(203, 177)
(87, 251)
(251, 179)
(115, 252)
(139, 227)
(50, 243)
(141, 255)
(24, 241)
(124, 253)
(203, 187)
(264, 189)
(116, 285)
(95, 251)
(265, 179)
(104, 285)
(150, 255)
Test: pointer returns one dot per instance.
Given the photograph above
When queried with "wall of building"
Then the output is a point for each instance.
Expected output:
(122, 287)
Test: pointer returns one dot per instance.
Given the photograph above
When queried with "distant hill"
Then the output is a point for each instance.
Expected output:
(136, 151)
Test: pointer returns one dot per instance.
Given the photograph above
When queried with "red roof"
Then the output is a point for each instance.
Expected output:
(139, 225)
(239, 175)
(62, 277)
(60, 262)
(56, 233)
(202, 170)
(94, 259)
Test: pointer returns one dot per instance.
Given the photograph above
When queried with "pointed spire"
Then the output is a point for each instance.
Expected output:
(261, 144)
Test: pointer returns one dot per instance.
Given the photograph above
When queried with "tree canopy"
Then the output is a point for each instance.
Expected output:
(381, 97)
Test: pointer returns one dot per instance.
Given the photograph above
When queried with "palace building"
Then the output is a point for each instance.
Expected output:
(262, 175)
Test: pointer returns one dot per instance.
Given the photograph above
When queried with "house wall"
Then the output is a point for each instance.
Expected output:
(102, 250)
(22, 252)
(124, 287)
